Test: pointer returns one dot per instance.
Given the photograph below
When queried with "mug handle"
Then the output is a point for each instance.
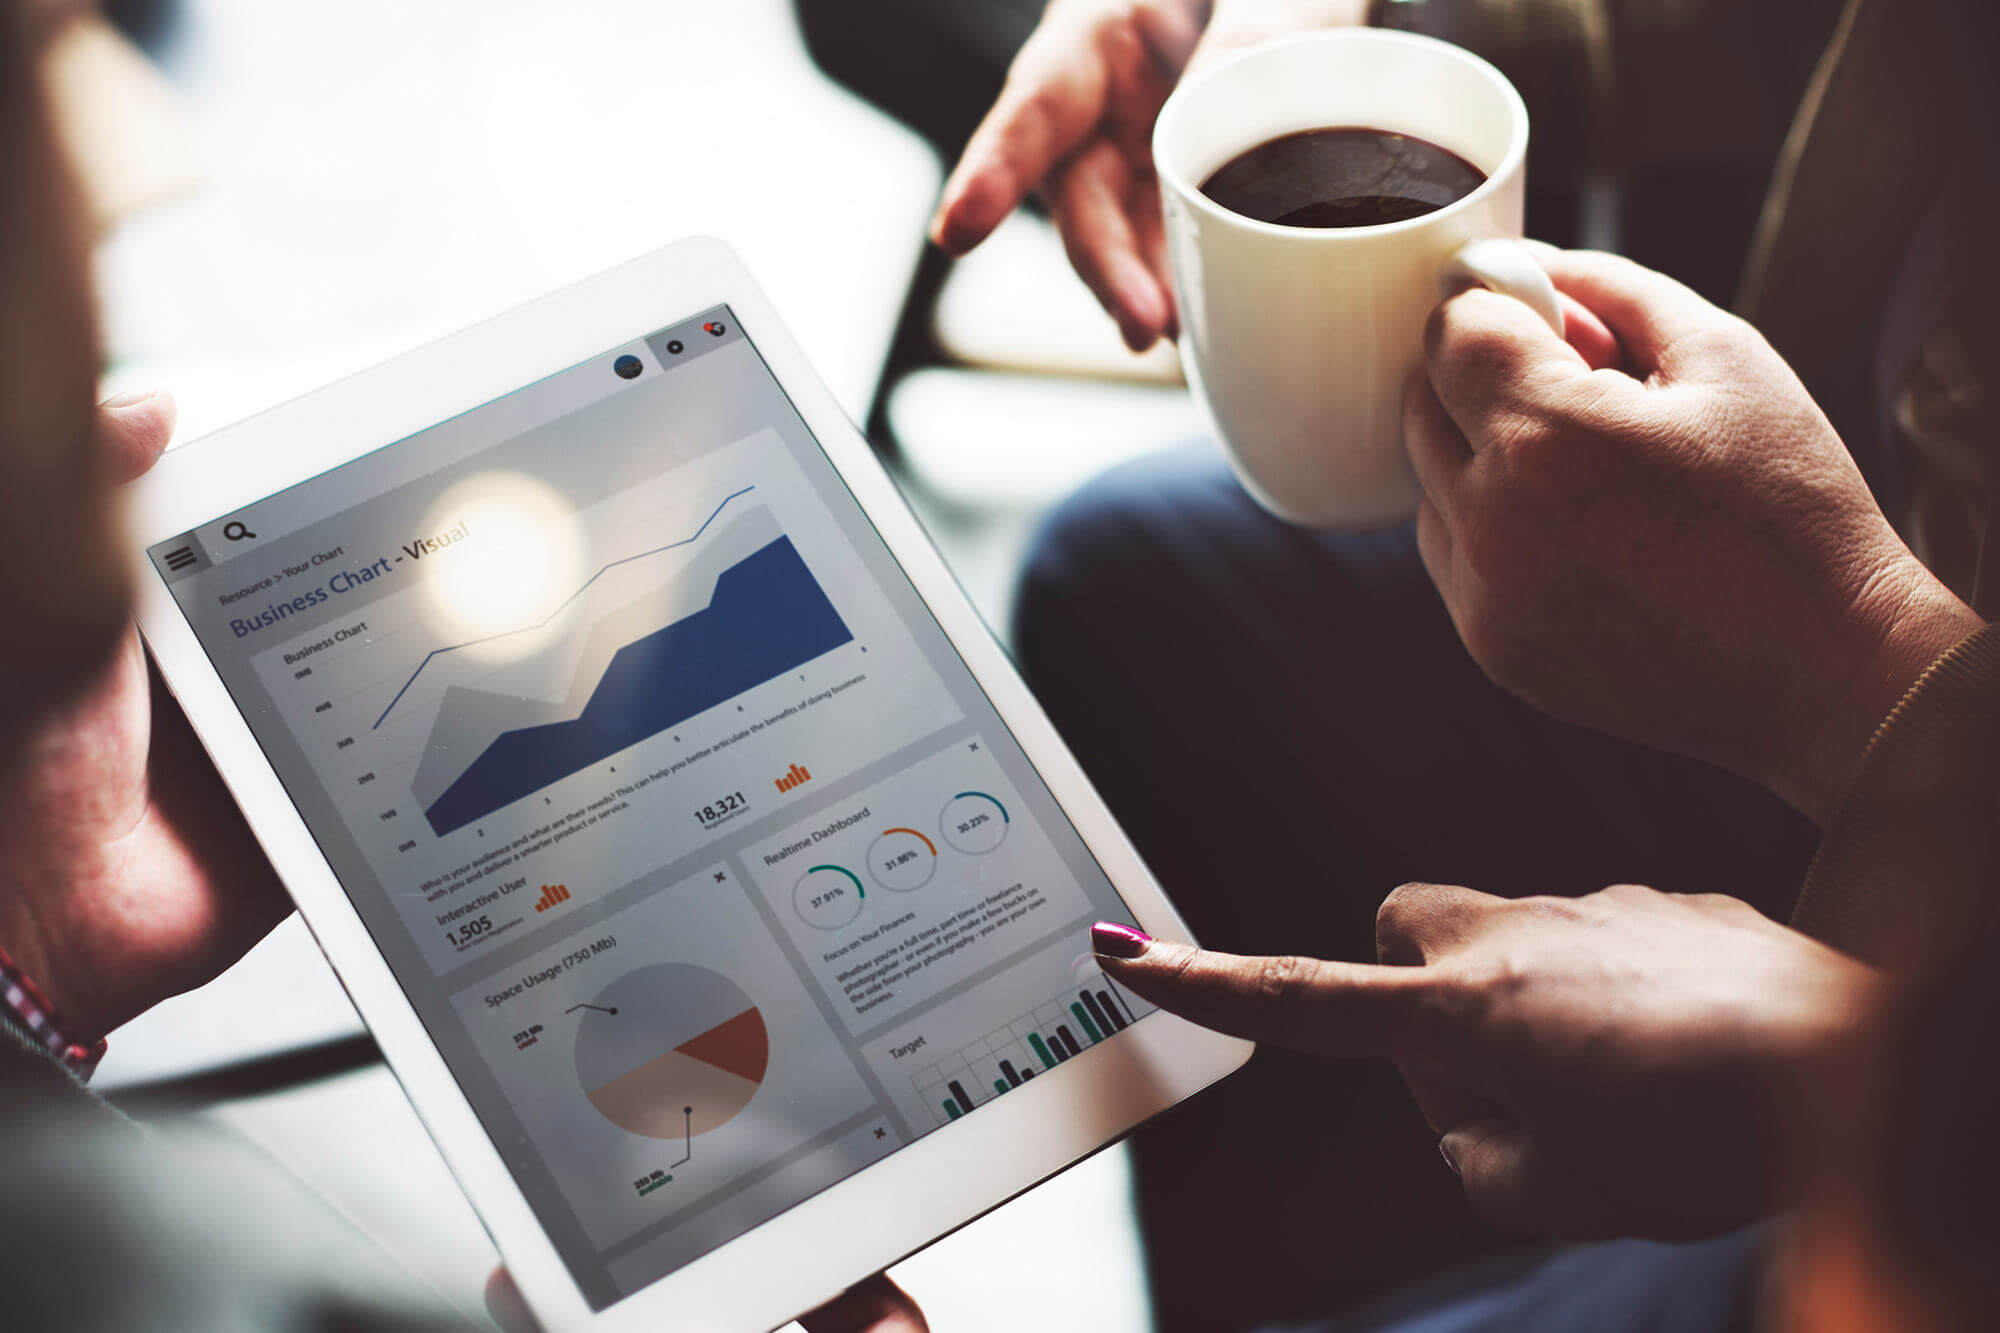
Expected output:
(1506, 267)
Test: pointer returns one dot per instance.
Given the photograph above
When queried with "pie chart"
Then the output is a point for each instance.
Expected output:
(671, 1050)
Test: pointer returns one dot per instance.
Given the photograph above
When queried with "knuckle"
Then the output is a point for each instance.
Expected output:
(1629, 895)
(1117, 33)
(1721, 904)
(1722, 342)
(1466, 345)
(1278, 981)
(1552, 906)
(1043, 99)
(1459, 1000)
(1453, 1007)
(1593, 909)
(1519, 432)
(1083, 241)
(1542, 432)
(1184, 967)
(1400, 911)
(1478, 992)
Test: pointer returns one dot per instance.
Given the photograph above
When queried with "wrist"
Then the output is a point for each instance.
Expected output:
(1907, 621)
(26, 1007)
(77, 976)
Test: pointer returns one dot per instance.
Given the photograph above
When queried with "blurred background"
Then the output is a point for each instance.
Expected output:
(290, 192)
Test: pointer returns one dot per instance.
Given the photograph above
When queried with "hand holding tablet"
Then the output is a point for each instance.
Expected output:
(713, 886)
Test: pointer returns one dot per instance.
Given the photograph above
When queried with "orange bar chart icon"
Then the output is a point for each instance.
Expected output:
(793, 777)
(553, 895)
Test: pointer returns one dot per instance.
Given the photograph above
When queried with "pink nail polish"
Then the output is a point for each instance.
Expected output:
(1112, 940)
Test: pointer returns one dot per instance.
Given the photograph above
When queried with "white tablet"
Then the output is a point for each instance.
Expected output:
(708, 877)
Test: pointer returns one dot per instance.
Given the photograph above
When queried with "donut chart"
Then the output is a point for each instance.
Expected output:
(672, 1050)
(828, 897)
(974, 822)
(902, 859)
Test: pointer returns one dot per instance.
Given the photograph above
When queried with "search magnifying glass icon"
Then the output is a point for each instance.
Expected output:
(236, 532)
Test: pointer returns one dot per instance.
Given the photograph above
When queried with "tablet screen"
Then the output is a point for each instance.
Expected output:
(709, 867)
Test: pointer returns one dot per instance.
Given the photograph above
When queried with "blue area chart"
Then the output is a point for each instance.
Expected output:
(768, 616)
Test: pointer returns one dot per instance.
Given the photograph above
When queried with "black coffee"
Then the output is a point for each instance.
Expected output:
(1344, 177)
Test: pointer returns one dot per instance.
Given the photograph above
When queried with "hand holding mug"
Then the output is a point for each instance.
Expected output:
(1680, 552)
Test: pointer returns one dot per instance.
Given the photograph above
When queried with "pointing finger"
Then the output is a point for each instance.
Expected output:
(1321, 1008)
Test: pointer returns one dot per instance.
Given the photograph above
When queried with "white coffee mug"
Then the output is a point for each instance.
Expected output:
(1299, 339)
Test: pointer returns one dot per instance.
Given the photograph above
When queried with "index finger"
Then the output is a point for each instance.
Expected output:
(1084, 70)
(1054, 96)
(1351, 1010)
(1492, 360)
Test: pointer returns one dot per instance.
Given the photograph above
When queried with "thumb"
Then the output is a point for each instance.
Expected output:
(874, 1305)
(1491, 359)
(506, 1306)
(135, 428)
(1495, 1158)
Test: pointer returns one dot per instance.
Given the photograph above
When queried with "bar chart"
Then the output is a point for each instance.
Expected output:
(1005, 1059)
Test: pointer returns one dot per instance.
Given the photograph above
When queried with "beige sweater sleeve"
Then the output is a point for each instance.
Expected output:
(1904, 857)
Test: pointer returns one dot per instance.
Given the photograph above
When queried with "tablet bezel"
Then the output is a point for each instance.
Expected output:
(882, 1213)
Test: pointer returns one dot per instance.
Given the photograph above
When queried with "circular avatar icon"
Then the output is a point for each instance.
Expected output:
(671, 1051)
(675, 346)
(715, 328)
(902, 859)
(973, 822)
(628, 367)
(828, 897)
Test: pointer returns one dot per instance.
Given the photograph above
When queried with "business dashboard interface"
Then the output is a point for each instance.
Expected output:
(709, 867)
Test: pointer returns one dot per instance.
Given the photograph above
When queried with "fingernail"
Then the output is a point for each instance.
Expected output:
(1444, 1151)
(1115, 941)
(1541, 250)
(130, 398)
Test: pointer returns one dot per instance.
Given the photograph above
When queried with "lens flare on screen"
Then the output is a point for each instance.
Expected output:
(510, 552)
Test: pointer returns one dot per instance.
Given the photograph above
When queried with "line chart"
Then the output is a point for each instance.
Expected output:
(583, 588)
